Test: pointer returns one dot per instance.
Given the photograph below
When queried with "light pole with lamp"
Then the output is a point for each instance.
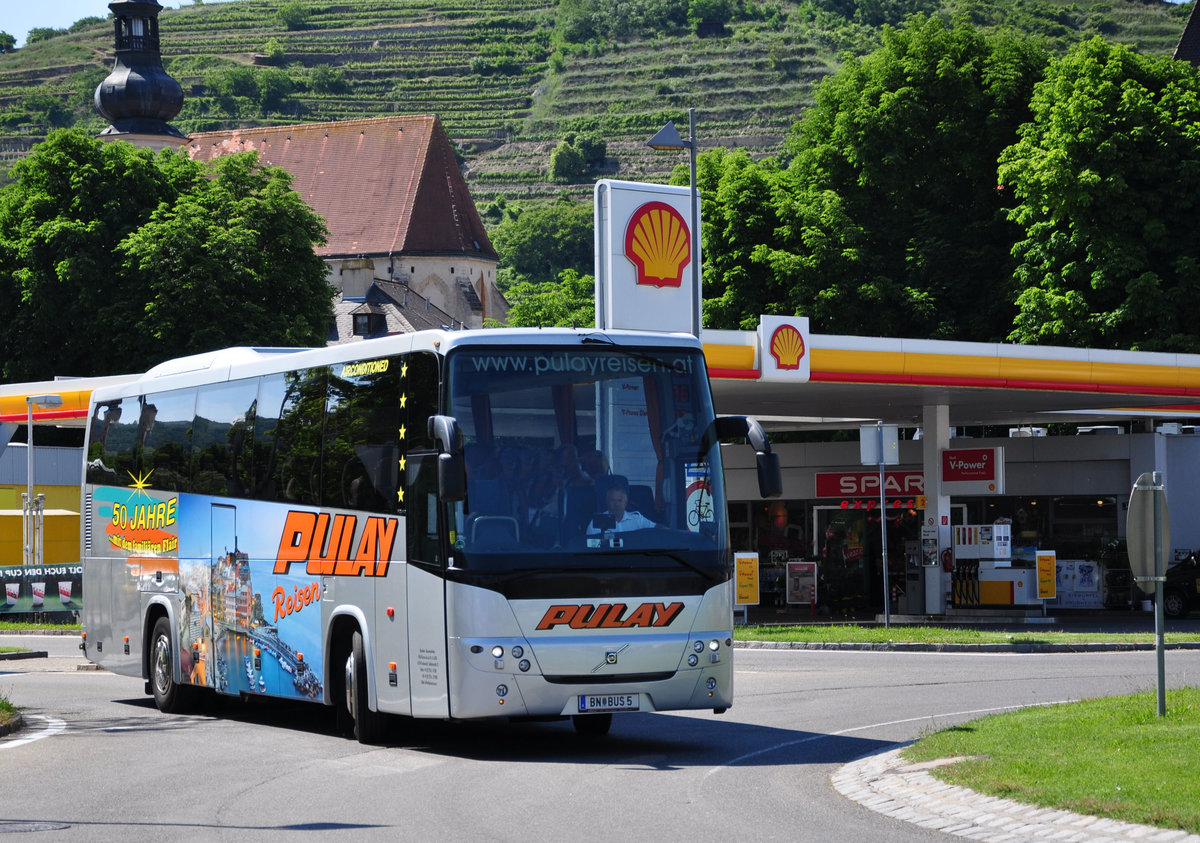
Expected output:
(668, 138)
(32, 535)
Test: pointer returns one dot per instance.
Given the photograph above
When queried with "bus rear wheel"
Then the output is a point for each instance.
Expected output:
(169, 696)
(592, 725)
(368, 725)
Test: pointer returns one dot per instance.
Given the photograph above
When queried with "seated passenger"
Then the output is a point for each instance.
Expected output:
(623, 520)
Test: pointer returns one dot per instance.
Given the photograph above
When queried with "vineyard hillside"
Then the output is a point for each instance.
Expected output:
(505, 78)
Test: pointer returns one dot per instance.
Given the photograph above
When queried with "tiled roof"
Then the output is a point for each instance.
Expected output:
(1188, 48)
(384, 186)
(404, 310)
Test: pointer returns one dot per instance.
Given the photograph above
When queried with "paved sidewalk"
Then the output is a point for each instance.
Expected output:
(889, 785)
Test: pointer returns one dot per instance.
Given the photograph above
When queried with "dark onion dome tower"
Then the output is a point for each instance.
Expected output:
(138, 96)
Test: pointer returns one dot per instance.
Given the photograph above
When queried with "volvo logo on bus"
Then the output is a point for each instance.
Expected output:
(610, 657)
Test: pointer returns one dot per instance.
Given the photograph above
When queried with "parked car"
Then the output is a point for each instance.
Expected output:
(1181, 591)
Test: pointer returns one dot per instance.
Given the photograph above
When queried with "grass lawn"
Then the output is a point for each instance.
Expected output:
(854, 634)
(1110, 757)
(13, 628)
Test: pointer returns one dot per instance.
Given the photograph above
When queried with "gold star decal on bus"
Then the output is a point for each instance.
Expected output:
(141, 482)
(400, 494)
(403, 400)
(403, 431)
(403, 370)
(403, 463)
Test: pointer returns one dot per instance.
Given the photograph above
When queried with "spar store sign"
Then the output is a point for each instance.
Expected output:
(865, 484)
(973, 471)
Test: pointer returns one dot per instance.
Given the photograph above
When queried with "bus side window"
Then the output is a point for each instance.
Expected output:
(165, 432)
(424, 539)
(290, 416)
(419, 387)
(221, 438)
(114, 453)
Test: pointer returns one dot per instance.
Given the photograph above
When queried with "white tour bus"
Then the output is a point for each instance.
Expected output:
(428, 524)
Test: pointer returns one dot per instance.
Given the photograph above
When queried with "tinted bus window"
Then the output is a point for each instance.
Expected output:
(221, 438)
(360, 456)
(113, 459)
(287, 436)
(165, 429)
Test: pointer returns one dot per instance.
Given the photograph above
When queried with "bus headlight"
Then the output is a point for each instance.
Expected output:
(693, 660)
(698, 646)
(497, 651)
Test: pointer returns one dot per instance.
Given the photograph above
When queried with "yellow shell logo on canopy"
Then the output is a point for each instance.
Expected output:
(657, 242)
(783, 343)
(787, 347)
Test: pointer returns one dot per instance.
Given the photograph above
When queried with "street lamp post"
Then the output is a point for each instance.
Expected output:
(32, 537)
(668, 138)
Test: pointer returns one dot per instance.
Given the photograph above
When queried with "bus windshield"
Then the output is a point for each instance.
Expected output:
(592, 458)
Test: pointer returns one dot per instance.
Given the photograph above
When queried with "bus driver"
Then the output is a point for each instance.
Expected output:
(623, 520)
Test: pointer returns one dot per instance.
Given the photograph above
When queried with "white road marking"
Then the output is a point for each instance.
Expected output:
(54, 726)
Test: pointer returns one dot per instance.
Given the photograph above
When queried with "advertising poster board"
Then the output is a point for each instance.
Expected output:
(802, 582)
(746, 573)
(1047, 574)
(42, 589)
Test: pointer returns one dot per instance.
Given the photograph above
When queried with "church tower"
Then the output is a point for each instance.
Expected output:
(138, 96)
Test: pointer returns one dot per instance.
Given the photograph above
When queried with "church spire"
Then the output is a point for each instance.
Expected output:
(138, 96)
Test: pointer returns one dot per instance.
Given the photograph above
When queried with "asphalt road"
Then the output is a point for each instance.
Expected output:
(99, 761)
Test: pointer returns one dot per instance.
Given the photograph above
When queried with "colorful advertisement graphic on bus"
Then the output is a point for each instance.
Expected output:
(250, 599)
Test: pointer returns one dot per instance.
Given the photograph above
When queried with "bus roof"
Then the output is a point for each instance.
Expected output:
(238, 362)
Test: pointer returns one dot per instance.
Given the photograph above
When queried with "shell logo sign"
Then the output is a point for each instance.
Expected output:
(787, 347)
(658, 243)
(783, 344)
(645, 257)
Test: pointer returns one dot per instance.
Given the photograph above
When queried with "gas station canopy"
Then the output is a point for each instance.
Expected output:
(857, 379)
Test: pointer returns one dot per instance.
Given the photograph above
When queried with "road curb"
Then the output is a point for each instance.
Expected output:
(887, 784)
(27, 654)
(15, 726)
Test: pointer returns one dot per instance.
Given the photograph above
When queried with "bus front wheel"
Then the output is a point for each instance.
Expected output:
(368, 725)
(169, 696)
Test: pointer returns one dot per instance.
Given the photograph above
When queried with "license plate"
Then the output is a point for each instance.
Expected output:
(595, 703)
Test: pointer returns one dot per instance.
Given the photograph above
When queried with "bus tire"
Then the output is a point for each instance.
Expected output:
(592, 725)
(169, 696)
(368, 725)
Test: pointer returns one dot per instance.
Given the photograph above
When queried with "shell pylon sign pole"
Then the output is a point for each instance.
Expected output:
(644, 251)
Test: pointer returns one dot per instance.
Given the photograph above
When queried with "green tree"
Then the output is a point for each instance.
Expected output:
(113, 259)
(739, 221)
(1107, 174)
(569, 301)
(890, 222)
(566, 163)
(292, 15)
(8, 43)
(238, 242)
(541, 241)
(324, 79)
(42, 33)
(709, 14)
(274, 87)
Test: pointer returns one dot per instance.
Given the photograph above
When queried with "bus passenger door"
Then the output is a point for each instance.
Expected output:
(427, 652)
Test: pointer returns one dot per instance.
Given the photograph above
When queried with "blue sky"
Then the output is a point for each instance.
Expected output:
(17, 17)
